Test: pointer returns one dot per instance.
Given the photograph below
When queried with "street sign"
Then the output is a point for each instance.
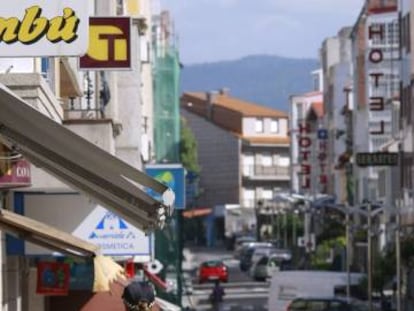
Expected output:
(113, 235)
(322, 134)
(109, 44)
(364, 159)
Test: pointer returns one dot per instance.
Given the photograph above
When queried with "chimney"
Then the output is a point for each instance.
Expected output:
(224, 91)
(211, 97)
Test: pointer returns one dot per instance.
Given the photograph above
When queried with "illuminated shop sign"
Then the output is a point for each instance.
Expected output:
(43, 28)
(377, 159)
(376, 57)
(377, 103)
(109, 44)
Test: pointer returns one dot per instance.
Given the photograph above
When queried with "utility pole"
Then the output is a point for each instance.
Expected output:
(259, 206)
(180, 242)
(369, 258)
(348, 252)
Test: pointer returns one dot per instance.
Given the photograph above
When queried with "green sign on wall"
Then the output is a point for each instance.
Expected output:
(377, 159)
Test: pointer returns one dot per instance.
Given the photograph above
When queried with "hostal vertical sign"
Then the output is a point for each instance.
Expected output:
(307, 168)
(375, 57)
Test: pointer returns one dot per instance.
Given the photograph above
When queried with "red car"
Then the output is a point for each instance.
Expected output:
(213, 270)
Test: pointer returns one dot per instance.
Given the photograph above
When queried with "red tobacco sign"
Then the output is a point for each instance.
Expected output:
(52, 278)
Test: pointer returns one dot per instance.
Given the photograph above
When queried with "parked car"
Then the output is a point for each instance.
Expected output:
(213, 270)
(264, 268)
(331, 304)
(253, 253)
(268, 265)
(240, 243)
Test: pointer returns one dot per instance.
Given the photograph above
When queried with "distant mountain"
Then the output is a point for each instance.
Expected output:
(262, 79)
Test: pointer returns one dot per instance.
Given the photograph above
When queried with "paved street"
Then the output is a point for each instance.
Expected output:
(241, 292)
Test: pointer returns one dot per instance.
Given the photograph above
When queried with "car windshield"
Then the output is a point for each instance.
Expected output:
(212, 264)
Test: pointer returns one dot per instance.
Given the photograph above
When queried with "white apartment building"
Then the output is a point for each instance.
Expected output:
(335, 55)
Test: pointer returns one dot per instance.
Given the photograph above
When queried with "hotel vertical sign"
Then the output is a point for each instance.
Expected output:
(376, 57)
(43, 28)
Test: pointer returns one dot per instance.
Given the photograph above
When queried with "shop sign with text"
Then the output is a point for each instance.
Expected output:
(308, 168)
(377, 159)
(305, 143)
(14, 174)
(53, 278)
(109, 44)
(43, 28)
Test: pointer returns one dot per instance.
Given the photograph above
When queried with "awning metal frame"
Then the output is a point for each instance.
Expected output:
(74, 160)
(44, 235)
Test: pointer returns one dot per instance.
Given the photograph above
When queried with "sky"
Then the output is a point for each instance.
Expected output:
(215, 30)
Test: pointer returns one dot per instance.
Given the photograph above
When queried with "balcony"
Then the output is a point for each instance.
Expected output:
(261, 172)
(77, 109)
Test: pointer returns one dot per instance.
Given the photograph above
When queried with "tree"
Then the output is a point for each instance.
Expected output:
(188, 148)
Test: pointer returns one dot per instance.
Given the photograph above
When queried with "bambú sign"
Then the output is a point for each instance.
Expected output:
(43, 28)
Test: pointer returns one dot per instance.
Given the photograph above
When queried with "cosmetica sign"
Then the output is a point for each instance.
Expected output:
(113, 235)
(43, 28)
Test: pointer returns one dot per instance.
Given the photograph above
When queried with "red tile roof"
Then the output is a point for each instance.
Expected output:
(317, 107)
(247, 109)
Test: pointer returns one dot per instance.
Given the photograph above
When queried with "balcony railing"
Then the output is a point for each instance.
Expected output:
(266, 171)
(76, 109)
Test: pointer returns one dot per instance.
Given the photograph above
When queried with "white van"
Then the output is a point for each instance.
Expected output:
(287, 285)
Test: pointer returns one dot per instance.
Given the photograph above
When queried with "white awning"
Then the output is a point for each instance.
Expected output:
(69, 157)
(45, 235)
(106, 270)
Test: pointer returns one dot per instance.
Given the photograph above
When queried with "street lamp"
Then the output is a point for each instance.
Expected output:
(370, 214)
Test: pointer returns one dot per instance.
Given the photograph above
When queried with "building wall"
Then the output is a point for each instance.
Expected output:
(341, 78)
(225, 118)
(249, 127)
(407, 118)
(128, 142)
(147, 83)
(295, 114)
(218, 155)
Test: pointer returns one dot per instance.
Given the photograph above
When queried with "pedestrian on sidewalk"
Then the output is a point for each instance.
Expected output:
(138, 296)
(216, 297)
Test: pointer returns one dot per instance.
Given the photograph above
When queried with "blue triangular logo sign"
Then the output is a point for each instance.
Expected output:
(111, 221)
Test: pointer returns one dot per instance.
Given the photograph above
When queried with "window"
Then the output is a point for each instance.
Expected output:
(274, 126)
(283, 161)
(120, 7)
(266, 159)
(45, 67)
(249, 197)
(300, 111)
(267, 194)
(259, 126)
(144, 49)
(390, 33)
(248, 164)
